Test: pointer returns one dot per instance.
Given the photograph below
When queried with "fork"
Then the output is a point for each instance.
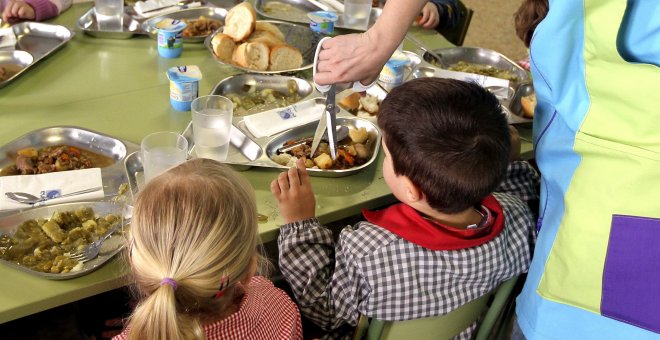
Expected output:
(94, 248)
(23, 197)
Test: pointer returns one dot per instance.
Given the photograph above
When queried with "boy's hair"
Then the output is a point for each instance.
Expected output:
(528, 16)
(197, 225)
(449, 137)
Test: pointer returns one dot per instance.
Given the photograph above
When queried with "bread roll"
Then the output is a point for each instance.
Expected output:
(528, 104)
(285, 57)
(223, 47)
(351, 103)
(265, 37)
(268, 27)
(240, 21)
(252, 55)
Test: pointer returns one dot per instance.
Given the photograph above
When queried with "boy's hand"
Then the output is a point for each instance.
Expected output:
(430, 16)
(17, 10)
(293, 191)
(515, 143)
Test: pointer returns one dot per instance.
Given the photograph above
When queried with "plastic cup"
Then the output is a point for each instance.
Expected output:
(211, 121)
(109, 15)
(357, 13)
(184, 86)
(161, 151)
(322, 21)
(170, 37)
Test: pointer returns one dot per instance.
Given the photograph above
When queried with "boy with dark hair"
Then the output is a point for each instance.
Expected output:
(451, 239)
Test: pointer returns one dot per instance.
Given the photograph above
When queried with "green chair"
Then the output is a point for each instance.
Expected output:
(444, 326)
(456, 35)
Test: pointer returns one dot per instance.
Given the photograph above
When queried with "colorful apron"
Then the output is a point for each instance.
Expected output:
(596, 267)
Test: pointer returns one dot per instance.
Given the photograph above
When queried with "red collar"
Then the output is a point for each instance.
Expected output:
(409, 224)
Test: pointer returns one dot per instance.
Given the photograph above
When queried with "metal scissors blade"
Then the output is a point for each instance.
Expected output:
(327, 122)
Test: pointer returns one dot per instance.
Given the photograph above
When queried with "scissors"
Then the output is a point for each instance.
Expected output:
(329, 117)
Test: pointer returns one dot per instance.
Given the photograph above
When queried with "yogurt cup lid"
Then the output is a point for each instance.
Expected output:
(397, 60)
(323, 16)
(168, 24)
(184, 73)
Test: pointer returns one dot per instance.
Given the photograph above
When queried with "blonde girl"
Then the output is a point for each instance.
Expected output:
(193, 256)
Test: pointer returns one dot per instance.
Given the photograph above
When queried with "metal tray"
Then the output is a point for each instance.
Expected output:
(40, 40)
(296, 11)
(20, 59)
(376, 91)
(112, 176)
(87, 23)
(295, 35)
(245, 82)
(215, 13)
(110, 247)
(514, 106)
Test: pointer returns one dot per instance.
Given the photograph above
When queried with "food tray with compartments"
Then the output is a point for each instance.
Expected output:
(113, 245)
(296, 11)
(113, 175)
(37, 39)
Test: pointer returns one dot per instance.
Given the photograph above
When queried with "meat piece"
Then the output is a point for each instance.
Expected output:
(25, 165)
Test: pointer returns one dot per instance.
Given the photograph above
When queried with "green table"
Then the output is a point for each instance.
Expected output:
(120, 88)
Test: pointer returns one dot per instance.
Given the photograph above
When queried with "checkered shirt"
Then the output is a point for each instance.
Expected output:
(372, 271)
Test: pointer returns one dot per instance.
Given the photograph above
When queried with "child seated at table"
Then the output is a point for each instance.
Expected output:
(33, 10)
(193, 256)
(462, 227)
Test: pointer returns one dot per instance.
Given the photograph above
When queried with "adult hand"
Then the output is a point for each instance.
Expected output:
(349, 58)
(430, 16)
(17, 10)
(293, 191)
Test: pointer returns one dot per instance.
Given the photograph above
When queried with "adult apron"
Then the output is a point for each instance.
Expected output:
(595, 273)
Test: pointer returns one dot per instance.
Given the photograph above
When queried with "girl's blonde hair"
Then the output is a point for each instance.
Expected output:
(196, 224)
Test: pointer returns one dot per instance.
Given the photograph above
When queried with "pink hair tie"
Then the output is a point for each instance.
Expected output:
(168, 281)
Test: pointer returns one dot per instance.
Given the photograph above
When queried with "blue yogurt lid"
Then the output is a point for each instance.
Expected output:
(184, 73)
(173, 25)
(323, 16)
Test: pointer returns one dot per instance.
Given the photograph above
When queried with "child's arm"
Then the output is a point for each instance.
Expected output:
(446, 12)
(321, 274)
(37, 10)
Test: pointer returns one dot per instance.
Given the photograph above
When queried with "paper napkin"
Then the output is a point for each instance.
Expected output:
(268, 123)
(65, 182)
(166, 6)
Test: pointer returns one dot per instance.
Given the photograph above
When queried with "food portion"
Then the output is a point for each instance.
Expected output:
(528, 104)
(252, 44)
(251, 100)
(351, 152)
(45, 245)
(9, 70)
(200, 27)
(361, 105)
(31, 161)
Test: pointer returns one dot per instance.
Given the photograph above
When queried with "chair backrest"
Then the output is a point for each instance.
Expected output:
(456, 35)
(444, 326)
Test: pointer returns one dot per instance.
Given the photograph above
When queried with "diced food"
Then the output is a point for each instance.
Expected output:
(31, 161)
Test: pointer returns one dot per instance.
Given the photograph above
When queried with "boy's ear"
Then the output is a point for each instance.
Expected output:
(413, 193)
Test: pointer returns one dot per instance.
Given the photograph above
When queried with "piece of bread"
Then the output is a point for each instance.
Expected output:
(528, 104)
(240, 21)
(252, 55)
(285, 57)
(265, 37)
(351, 103)
(223, 47)
(267, 26)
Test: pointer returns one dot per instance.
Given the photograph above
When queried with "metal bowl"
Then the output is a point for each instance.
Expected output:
(214, 13)
(515, 107)
(297, 36)
(87, 23)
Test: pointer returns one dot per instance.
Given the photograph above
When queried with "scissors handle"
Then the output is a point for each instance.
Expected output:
(356, 85)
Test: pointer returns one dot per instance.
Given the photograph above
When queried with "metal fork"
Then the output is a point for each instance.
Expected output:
(94, 248)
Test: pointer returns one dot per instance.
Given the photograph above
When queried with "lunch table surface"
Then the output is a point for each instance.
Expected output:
(120, 88)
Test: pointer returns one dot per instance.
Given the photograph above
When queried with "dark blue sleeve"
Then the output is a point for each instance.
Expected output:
(447, 12)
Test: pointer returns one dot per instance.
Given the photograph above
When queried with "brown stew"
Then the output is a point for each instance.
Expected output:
(31, 161)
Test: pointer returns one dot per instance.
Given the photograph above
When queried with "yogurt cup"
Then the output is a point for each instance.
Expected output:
(170, 37)
(394, 68)
(184, 86)
(322, 21)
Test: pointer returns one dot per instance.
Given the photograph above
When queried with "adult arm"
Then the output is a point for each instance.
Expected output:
(360, 57)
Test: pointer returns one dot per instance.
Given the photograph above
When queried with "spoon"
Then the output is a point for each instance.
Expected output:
(24, 197)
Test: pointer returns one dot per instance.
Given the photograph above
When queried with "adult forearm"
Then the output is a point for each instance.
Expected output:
(391, 27)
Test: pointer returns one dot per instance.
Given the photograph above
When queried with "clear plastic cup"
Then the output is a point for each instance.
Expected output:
(357, 13)
(161, 151)
(211, 121)
(109, 15)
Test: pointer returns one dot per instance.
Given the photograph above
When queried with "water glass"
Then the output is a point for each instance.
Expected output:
(357, 13)
(161, 151)
(211, 120)
(109, 15)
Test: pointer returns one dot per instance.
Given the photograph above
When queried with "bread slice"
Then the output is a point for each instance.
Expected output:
(267, 26)
(223, 47)
(252, 55)
(528, 104)
(285, 57)
(240, 21)
(265, 37)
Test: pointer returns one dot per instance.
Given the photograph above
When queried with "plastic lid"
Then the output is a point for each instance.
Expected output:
(168, 24)
(323, 16)
(184, 73)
